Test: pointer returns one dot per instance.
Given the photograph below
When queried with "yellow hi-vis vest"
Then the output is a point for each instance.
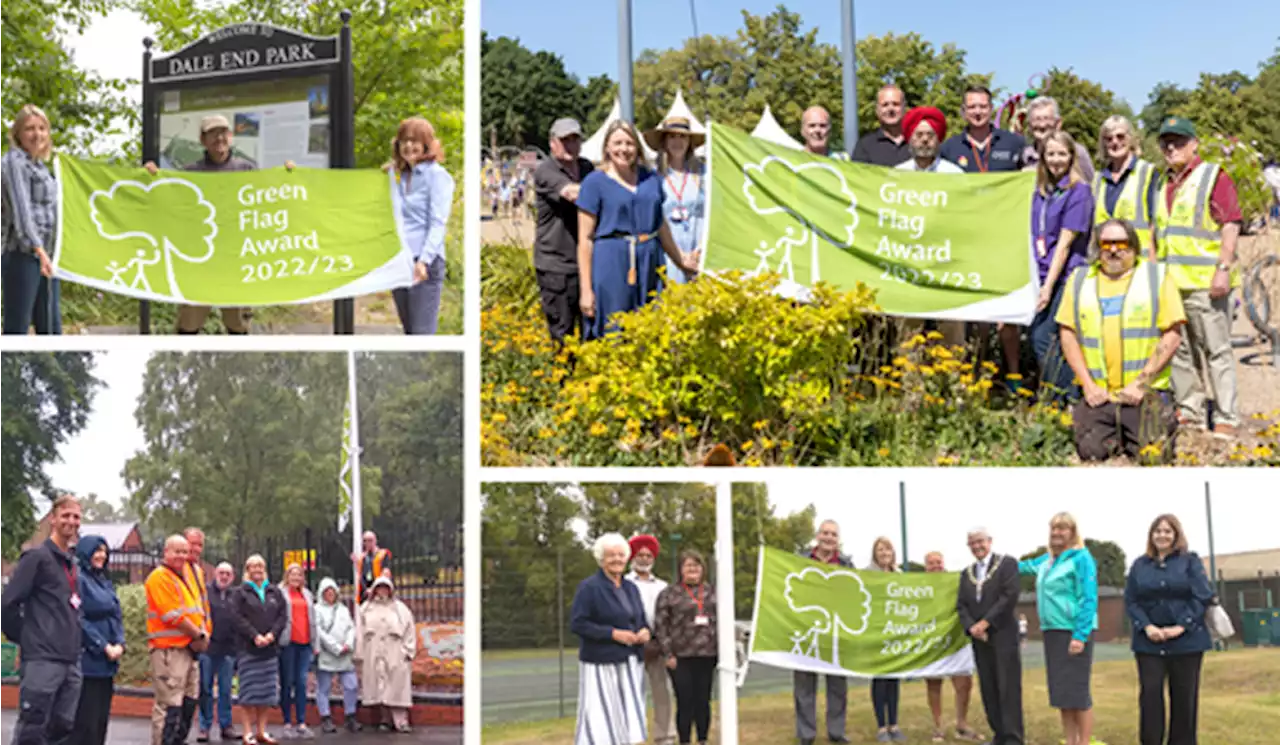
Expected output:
(1188, 240)
(1139, 332)
(1131, 205)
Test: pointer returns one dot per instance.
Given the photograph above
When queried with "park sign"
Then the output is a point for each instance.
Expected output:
(943, 246)
(824, 618)
(230, 239)
(244, 48)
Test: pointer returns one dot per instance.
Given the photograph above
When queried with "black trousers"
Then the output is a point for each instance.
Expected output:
(94, 712)
(692, 681)
(884, 699)
(560, 294)
(1000, 680)
(1182, 671)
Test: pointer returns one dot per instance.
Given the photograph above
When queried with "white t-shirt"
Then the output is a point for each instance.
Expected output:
(649, 591)
(939, 166)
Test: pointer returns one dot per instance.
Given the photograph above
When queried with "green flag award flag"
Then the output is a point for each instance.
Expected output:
(344, 474)
(943, 246)
(241, 238)
(823, 618)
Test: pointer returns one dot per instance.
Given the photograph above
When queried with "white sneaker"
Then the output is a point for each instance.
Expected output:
(286, 733)
(304, 732)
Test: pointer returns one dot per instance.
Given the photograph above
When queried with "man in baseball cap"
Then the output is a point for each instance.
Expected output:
(644, 555)
(1198, 222)
(216, 137)
(556, 182)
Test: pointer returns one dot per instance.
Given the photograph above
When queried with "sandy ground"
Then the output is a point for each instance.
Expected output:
(1258, 379)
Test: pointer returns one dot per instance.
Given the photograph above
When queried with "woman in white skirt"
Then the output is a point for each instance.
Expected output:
(608, 618)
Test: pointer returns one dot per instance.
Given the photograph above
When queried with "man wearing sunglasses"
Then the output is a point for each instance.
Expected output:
(1120, 322)
(1198, 222)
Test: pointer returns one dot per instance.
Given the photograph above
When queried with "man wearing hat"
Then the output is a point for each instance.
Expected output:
(556, 182)
(1198, 222)
(215, 136)
(887, 146)
(644, 554)
(683, 192)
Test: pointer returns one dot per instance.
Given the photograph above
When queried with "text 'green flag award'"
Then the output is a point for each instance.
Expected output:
(823, 618)
(943, 246)
(240, 238)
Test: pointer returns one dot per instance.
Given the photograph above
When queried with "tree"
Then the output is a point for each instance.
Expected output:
(523, 92)
(407, 57)
(1084, 105)
(246, 445)
(47, 398)
(663, 510)
(84, 109)
(95, 509)
(1106, 554)
(754, 523)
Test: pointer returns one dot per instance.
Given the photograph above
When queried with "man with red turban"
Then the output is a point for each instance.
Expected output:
(925, 128)
(644, 555)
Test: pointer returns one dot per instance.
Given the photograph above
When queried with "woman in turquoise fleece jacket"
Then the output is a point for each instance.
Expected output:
(1067, 602)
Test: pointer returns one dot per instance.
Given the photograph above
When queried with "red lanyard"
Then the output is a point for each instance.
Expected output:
(684, 181)
(698, 599)
(70, 571)
(986, 152)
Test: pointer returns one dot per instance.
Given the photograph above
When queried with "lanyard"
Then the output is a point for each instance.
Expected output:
(70, 571)
(698, 599)
(684, 181)
(1044, 212)
(983, 160)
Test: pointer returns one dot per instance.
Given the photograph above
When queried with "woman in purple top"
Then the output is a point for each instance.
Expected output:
(1061, 218)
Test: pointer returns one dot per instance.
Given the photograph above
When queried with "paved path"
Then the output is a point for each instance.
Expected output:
(527, 688)
(134, 731)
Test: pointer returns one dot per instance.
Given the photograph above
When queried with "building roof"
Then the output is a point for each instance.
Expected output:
(114, 533)
(1245, 564)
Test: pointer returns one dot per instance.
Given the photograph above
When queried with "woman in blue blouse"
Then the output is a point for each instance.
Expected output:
(608, 618)
(31, 294)
(1166, 596)
(423, 198)
(102, 638)
(1067, 602)
(621, 233)
(683, 195)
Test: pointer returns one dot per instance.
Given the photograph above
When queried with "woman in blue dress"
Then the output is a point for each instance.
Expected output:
(683, 196)
(621, 234)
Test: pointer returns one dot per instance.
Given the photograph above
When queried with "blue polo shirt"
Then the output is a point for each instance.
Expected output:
(1003, 152)
(1111, 191)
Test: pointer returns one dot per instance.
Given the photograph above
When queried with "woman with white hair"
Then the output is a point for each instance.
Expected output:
(31, 294)
(608, 618)
(1127, 187)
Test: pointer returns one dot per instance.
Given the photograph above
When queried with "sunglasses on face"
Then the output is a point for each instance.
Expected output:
(1173, 143)
(1114, 247)
(1116, 138)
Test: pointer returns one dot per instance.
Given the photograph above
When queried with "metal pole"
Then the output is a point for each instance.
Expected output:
(849, 49)
(625, 90)
(902, 511)
(1213, 559)
(344, 309)
(150, 152)
(726, 668)
(357, 504)
(560, 620)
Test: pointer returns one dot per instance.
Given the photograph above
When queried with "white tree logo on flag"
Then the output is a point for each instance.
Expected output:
(840, 601)
(773, 174)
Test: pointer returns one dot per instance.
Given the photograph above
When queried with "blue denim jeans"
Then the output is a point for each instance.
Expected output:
(1047, 343)
(350, 691)
(295, 663)
(29, 298)
(216, 669)
(419, 305)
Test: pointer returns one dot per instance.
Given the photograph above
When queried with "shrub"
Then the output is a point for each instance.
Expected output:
(135, 666)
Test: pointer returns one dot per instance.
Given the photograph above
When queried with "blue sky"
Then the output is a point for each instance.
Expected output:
(1153, 41)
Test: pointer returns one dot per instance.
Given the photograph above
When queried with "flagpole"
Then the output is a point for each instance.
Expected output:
(357, 506)
(726, 621)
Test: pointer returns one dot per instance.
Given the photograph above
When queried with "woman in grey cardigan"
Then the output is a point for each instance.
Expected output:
(336, 636)
(298, 644)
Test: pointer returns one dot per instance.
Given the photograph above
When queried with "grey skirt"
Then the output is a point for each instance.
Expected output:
(1067, 674)
(259, 680)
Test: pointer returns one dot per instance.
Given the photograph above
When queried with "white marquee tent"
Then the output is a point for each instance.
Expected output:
(593, 147)
(770, 131)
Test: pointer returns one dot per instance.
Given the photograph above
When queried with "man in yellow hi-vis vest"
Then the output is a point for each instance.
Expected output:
(1197, 225)
(176, 634)
(1121, 321)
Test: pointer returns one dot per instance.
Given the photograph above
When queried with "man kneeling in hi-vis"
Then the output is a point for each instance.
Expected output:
(176, 636)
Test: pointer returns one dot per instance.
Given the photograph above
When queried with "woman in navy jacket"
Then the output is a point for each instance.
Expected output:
(608, 618)
(102, 641)
(1166, 596)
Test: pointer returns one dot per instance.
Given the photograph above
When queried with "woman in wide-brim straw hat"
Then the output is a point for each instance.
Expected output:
(683, 193)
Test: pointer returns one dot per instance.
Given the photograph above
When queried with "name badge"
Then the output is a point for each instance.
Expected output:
(75, 600)
(701, 621)
(1041, 249)
(679, 213)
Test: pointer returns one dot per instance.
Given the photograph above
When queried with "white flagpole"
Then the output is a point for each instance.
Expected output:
(357, 506)
(726, 631)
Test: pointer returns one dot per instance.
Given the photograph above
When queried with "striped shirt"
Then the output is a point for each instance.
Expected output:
(30, 203)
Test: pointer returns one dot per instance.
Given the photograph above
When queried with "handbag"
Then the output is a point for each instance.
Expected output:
(1219, 623)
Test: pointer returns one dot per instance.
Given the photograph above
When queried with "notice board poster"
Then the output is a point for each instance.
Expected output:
(272, 121)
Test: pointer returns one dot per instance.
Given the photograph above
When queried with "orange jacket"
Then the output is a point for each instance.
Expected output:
(171, 597)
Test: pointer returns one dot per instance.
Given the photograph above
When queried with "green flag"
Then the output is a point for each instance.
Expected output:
(828, 619)
(241, 238)
(345, 473)
(945, 246)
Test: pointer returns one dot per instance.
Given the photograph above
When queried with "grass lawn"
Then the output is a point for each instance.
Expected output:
(1239, 705)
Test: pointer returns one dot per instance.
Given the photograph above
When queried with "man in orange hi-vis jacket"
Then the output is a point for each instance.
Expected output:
(176, 634)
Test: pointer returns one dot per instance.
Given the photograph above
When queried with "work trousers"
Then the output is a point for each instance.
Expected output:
(664, 728)
(1113, 429)
(175, 680)
(806, 697)
(1205, 352)
(48, 695)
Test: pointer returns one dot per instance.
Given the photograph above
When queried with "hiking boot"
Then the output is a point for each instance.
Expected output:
(1225, 431)
(327, 726)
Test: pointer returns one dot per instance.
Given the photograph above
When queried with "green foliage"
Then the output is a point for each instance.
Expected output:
(47, 397)
(1244, 164)
(523, 92)
(1084, 105)
(135, 666)
(754, 524)
(85, 110)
